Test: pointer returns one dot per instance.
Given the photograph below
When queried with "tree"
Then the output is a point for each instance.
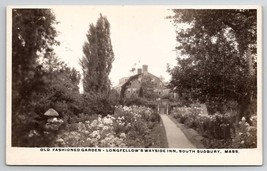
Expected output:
(98, 57)
(217, 56)
(33, 35)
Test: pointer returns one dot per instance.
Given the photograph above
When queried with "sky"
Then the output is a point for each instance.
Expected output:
(139, 35)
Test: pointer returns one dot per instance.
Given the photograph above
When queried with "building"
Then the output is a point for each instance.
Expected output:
(137, 80)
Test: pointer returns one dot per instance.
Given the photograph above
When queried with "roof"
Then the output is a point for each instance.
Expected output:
(137, 75)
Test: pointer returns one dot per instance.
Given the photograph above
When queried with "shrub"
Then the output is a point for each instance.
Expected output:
(220, 129)
(96, 133)
(127, 127)
(138, 101)
(217, 126)
(246, 134)
(100, 103)
(186, 115)
(137, 124)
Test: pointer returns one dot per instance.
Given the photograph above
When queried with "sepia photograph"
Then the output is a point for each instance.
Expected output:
(134, 79)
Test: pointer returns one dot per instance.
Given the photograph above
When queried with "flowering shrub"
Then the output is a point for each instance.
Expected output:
(212, 126)
(98, 133)
(53, 124)
(128, 127)
(219, 129)
(185, 114)
(246, 134)
(137, 123)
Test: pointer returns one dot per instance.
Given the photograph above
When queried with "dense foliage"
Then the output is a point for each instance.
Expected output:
(33, 36)
(216, 57)
(99, 103)
(127, 127)
(218, 130)
(98, 57)
(41, 82)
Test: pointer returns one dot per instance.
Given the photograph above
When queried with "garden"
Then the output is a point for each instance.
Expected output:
(217, 66)
(129, 126)
(219, 130)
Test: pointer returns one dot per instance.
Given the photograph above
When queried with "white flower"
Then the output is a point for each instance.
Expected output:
(125, 108)
(243, 119)
(123, 135)
(121, 124)
(98, 136)
(110, 136)
(242, 142)
(60, 121)
(60, 140)
(54, 120)
(253, 118)
(94, 134)
(94, 123)
(105, 128)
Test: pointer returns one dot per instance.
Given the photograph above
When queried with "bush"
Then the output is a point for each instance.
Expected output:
(138, 101)
(127, 127)
(100, 103)
(137, 123)
(217, 126)
(220, 126)
(246, 134)
(186, 115)
(219, 129)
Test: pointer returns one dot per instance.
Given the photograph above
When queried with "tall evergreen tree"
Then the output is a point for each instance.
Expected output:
(98, 57)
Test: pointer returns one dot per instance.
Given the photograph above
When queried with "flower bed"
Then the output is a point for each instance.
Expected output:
(219, 130)
(246, 134)
(128, 127)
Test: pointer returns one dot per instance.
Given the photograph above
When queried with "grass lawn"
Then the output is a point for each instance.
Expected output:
(158, 135)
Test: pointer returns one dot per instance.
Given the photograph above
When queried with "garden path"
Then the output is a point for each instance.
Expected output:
(175, 136)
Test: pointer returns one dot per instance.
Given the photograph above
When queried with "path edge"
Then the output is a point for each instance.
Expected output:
(194, 139)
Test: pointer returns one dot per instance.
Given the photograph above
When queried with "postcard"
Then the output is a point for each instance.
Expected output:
(134, 85)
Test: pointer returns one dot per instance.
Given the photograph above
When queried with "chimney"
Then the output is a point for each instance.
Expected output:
(145, 70)
(139, 71)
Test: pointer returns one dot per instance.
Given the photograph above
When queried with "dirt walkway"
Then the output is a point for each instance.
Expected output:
(175, 137)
